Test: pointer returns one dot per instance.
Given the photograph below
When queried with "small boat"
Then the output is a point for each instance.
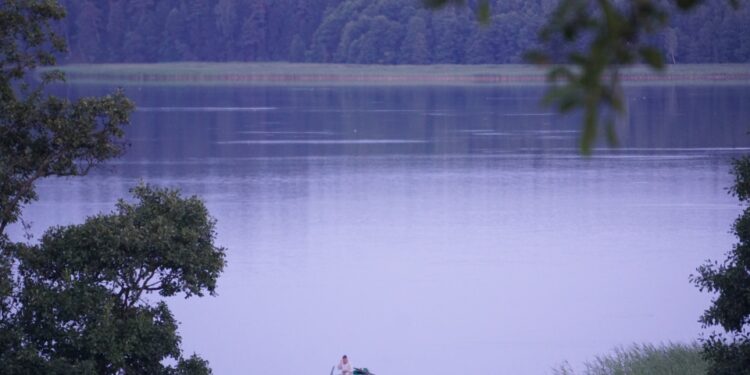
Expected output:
(357, 371)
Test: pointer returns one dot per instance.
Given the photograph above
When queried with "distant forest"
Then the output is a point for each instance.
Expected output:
(357, 31)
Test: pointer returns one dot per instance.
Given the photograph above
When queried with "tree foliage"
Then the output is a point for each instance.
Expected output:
(42, 135)
(729, 282)
(84, 304)
(78, 302)
(311, 30)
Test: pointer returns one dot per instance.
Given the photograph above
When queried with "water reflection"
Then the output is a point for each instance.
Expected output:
(431, 230)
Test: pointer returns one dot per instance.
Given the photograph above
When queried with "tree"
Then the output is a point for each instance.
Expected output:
(481, 47)
(199, 15)
(729, 281)
(414, 46)
(449, 35)
(83, 306)
(228, 26)
(115, 30)
(297, 49)
(87, 25)
(369, 40)
(306, 18)
(41, 135)
(327, 37)
(143, 38)
(506, 30)
(670, 43)
(74, 302)
(253, 34)
(173, 48)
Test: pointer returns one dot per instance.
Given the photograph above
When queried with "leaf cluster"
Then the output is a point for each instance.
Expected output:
(84, 304)
(729, 283)
(27, 37)
(727, 356)
(596, 38)
(42, 135)
(483, 9)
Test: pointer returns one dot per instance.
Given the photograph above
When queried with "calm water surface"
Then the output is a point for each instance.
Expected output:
(430, 230)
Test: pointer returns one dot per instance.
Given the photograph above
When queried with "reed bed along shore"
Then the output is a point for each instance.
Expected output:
(343, 74)
(644, 359)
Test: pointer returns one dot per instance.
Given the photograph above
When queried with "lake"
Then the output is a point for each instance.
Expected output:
(430, 230)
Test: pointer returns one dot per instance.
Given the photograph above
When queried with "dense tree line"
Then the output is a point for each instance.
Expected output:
(357, 31)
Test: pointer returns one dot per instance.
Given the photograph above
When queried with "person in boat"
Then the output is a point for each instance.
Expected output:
(345, 366)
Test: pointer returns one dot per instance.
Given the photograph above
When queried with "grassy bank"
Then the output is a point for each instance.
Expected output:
(670, 359)
(340, 74)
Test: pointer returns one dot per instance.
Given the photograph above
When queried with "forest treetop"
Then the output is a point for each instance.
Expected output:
(359, 31)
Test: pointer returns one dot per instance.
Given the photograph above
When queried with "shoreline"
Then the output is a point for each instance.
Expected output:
(302, 74)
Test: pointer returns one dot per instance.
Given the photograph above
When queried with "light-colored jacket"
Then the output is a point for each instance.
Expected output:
(346, 368)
